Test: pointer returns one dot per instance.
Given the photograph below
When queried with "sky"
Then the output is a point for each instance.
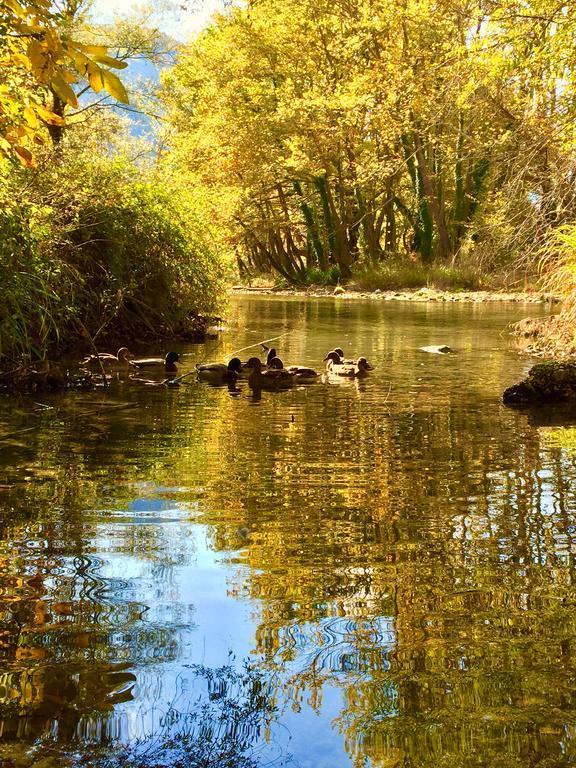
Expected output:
(180, 23)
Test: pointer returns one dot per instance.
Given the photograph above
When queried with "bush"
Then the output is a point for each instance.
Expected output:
(99, 247)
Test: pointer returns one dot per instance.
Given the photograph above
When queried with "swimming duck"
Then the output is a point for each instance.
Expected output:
(249, 364)
(348, 361)
(272, 378)
(351, 370)
(167, 363)
(301, 373)
(108, 360)
(220, 372)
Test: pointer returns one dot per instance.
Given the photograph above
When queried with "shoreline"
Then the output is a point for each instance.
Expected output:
(416, 295)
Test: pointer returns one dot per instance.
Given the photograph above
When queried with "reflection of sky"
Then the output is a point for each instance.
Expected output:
(193, 597)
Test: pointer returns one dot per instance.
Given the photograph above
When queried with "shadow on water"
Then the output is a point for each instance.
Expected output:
(395, 556)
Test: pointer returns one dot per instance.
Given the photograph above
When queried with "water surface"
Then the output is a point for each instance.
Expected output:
(396, 554)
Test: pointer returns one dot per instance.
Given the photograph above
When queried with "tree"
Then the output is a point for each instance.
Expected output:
(40, 63)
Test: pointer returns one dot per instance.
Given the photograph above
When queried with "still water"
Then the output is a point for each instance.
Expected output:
(395, 556)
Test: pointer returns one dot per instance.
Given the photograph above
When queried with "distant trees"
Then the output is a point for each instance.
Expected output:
(332, 134)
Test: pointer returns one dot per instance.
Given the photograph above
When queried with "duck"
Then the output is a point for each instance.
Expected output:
(356, 369)
(220, 372)
(249, 364)
(272, 378)
(348, 361)
(301, 373)
(107, 359)
(168, 363)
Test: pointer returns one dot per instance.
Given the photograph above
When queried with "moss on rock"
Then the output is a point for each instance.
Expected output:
(551, 381)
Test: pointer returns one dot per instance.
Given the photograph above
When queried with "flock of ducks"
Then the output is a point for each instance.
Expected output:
(272, 374)
(267, 374)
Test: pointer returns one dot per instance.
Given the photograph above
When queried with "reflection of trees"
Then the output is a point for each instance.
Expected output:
(74, 637)
(420, 558)
(410, 550)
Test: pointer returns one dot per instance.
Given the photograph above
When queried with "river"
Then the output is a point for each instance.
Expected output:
(394, 556)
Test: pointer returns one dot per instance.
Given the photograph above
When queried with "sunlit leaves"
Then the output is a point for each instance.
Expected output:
(39, 62)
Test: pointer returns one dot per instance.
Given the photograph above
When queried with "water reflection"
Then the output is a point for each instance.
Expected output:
(396, 553)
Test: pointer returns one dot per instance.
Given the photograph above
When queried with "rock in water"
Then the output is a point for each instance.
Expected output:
(547, 382)
(437, 349)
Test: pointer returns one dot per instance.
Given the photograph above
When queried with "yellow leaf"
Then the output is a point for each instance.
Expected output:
(20, 58)
(49, 117)
(16, 8)
(93, 50)
(30, 117)
(69, 76)
(110, 61)
(80, 60)
(63, 90)
(94, 77)
(39, 61)
(114, 86)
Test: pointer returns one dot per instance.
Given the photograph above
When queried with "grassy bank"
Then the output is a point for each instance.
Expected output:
(404, 274)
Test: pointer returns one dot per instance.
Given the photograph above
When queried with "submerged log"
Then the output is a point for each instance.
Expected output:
(547, 382)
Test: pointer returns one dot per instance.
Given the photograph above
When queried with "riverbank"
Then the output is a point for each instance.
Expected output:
(419, 295)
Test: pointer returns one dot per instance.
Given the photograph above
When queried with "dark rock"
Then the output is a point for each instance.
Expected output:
(546, 382)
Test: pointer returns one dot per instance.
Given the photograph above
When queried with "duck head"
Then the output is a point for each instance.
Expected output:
(235, 365)
(171, 358)
(255, 364)
(363, 364)
(124, 354)
(270, 356)
(339, 351)
(332, 358)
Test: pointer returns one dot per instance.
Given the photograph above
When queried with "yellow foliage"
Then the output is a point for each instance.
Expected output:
(40, 64)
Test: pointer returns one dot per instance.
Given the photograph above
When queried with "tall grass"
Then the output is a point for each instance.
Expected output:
(558, 268)
(399, 274)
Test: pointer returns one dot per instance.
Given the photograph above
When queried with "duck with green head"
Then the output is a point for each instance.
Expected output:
(167, 364)
(219, 372)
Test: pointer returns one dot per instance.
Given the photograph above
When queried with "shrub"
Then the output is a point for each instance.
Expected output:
(97, 246)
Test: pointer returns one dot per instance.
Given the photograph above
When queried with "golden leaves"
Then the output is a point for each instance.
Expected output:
(38, 59)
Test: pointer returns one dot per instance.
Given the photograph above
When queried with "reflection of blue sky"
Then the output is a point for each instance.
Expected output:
(182, 584)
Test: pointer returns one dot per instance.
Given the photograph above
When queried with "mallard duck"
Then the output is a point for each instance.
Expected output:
(272, 378)
(168, 363)
(108, 360)
(249, 364)
(301, 373)
(349, 370)
(220, 372)
(348, 361)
